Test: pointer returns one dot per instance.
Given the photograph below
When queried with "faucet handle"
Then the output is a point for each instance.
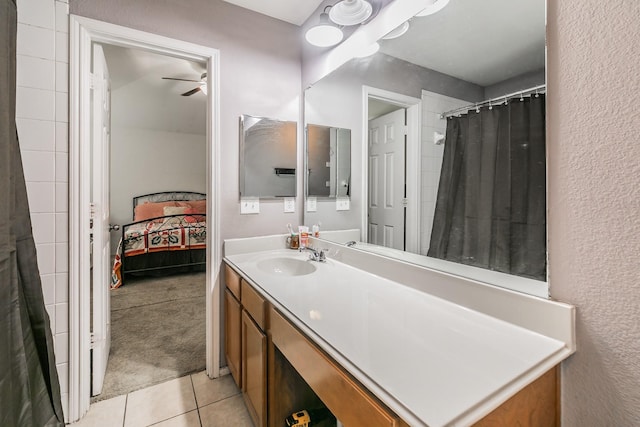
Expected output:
(323, 254)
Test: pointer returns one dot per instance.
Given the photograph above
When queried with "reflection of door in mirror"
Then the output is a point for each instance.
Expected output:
(387, 143)
(318, 161)
(328, 161)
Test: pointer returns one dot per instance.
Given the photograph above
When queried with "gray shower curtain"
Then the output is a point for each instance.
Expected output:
(29, 388)
(491, 204)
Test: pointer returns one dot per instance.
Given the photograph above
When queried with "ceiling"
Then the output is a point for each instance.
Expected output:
(142, 99)
(292, 11)
(482, 42)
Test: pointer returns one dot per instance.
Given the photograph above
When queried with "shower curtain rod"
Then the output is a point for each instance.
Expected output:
(503, 98)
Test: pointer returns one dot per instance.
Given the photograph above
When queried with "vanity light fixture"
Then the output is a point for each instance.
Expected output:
(398, 31)
(351, 12)
(368, 51)
(325, 34)
(435, 7)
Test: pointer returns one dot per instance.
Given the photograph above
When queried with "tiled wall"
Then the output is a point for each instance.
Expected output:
(433, 105)
(42, 118)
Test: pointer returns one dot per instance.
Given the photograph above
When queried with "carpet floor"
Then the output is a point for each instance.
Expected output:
(157, 332)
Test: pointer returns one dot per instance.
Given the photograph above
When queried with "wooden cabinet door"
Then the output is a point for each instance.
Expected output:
(254, 370)
(233, 335)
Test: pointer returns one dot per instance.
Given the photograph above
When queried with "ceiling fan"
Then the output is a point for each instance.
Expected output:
(202, 84)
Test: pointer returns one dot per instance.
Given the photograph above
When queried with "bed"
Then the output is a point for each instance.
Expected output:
(168, 235)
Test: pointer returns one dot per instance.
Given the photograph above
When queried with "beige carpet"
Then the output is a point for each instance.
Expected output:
(157, 332)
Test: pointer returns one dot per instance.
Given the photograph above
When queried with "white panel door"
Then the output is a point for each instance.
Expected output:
(101, 274)
(387, 180)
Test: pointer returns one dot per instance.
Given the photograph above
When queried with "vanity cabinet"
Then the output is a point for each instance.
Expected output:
(254, 354)
(283, 371)
(232, 325)
(246, 343)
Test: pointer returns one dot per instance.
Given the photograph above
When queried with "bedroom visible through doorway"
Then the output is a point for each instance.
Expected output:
(157, 150)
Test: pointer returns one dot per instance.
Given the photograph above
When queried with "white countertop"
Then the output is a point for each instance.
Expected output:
(434, 362)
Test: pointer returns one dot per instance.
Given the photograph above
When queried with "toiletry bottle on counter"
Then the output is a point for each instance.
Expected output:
(315, 230)
(303, 232)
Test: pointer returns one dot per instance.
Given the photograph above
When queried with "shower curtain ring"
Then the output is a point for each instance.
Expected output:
(490, 106)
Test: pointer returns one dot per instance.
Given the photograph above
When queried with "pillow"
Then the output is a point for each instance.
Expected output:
(195, 218)
(174, 210)
(200, 206)
(148, 210)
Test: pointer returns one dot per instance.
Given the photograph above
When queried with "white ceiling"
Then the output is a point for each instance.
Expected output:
(482, 42)
(292, 11)
(142, 99)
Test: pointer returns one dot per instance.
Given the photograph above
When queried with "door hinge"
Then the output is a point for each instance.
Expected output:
(405, 130)
(93, 341)
(405, 201)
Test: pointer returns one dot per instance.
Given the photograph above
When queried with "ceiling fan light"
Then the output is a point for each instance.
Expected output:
(434, 8)
(398, 31)
(324, 34)
(351, 12)
(369, 50)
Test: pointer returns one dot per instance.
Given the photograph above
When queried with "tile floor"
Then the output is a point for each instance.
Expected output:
(191, 401)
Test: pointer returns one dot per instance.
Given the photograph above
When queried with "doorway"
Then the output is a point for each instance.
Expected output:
(391, 166)
(155, 154)
(84, 33)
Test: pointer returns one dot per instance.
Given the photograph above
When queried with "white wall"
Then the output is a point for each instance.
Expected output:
(42, 120)
(145, 161)
(593, 128)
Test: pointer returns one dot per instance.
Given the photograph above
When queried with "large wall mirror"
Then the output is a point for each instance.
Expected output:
(267, 157)
(469, 60)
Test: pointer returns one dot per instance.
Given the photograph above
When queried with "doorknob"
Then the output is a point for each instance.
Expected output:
(114, 227)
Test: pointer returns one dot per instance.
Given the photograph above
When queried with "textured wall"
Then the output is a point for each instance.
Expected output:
(594, 203)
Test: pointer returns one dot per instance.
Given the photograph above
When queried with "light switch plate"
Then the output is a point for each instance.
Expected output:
(249, 205)
(312, 204)
(289, 204)
(342, 204)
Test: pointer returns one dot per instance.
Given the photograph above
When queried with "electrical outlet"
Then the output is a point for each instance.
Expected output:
(312, 204)
(249, 206)
(289, 204)
(342, 204)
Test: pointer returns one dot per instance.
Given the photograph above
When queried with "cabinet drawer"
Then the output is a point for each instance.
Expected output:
(345, 398)
(232, 279)
(253, 303)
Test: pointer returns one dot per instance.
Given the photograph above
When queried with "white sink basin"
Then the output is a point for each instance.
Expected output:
(286, 266)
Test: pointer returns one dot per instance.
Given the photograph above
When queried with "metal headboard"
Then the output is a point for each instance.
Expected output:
(167, 196)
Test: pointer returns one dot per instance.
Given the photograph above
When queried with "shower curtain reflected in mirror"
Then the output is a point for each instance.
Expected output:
(491, 204)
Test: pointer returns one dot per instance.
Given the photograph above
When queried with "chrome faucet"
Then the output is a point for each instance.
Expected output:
(316, 255)
(350, 243)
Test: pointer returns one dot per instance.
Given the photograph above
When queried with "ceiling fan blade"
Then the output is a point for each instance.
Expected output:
(181, 80)
(192, 91)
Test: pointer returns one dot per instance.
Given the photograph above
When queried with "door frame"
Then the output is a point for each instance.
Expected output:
(413, 163)
(84, 32)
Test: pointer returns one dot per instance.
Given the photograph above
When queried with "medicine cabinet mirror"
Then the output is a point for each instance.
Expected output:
(466, 53)
(328, 161)
(267, 157)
